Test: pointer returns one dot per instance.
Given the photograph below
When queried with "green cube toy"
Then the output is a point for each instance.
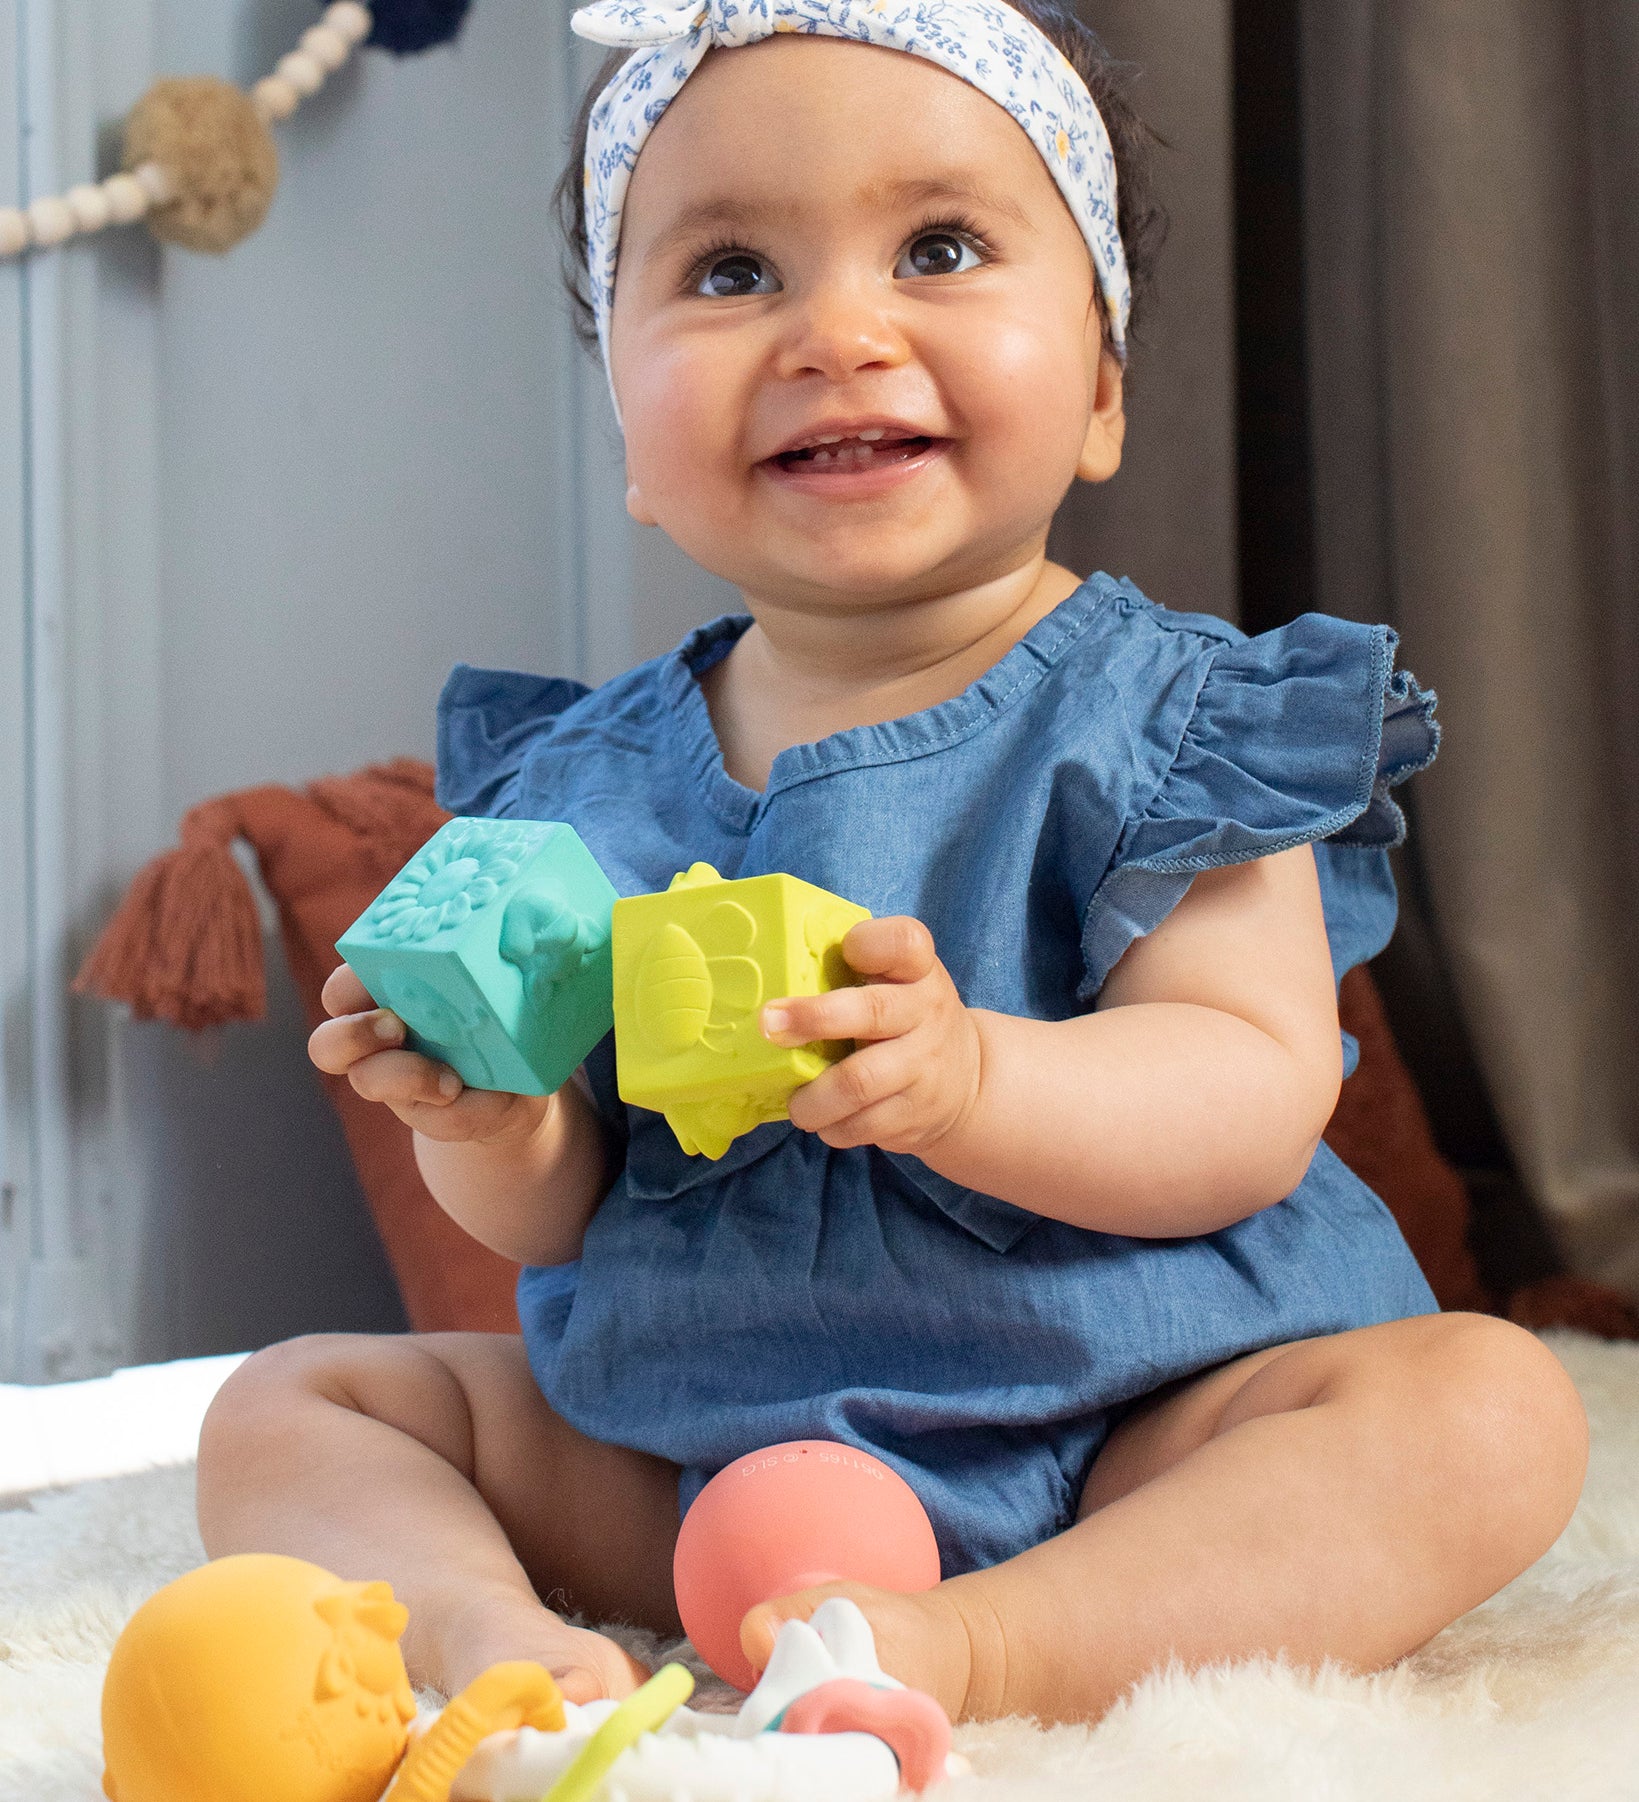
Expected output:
(693, 967)
(492, 944)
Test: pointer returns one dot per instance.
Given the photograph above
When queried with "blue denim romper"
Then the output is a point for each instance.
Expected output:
(1038, 823)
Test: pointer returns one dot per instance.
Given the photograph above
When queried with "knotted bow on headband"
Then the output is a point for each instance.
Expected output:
(988, 44)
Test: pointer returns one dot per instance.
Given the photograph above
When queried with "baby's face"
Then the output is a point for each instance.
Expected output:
(827, 239)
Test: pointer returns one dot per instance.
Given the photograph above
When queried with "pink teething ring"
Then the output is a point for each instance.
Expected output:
(914, 1726)
(789, 1518)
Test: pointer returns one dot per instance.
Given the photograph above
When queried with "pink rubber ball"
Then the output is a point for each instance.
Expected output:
(788, 1518)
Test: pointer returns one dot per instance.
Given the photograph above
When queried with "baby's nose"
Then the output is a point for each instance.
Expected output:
(839, 329)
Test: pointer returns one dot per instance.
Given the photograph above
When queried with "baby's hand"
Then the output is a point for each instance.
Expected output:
(917, 1075)
(364, 1043)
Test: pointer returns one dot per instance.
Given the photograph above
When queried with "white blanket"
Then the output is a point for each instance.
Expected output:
(1533, 1696)
(140, 1419)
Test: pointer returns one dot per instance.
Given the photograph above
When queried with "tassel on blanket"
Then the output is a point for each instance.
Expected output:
(185, 945)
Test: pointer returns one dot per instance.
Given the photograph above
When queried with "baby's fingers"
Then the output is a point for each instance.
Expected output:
(878, 1010)
(402, 1078)
(343, 993)
(459, 1114)
(336, 1045)
(862, 1080)
(895, 948)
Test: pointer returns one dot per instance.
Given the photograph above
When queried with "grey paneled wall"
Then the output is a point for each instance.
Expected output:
(366, 438)
(14, 939)
(366, 468)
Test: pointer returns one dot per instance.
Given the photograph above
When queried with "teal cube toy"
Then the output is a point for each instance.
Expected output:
(492, 944)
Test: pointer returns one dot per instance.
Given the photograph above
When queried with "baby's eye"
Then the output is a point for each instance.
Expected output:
(937, 253)
(729, 276)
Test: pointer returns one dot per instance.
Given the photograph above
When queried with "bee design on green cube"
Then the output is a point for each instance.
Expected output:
(492, 944)
(692, 967)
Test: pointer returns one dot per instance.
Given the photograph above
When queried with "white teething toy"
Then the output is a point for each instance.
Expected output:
(698, 1757)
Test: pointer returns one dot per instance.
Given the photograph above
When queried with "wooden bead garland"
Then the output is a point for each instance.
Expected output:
(304, 73)
(90, 207)
(127, 199)
(275, 98)
(50, 220)
(327, 47)
(200, 162)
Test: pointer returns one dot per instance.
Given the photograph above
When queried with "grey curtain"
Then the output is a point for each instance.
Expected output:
(1168, 518)
(1472, 248)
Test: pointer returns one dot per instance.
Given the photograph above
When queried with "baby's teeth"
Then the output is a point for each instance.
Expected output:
(873, 436)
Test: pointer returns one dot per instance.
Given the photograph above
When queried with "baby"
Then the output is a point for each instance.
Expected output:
(1059, 1240)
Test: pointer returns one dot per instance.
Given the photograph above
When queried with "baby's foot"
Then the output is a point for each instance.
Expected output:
(921, 1638)
(586, 1665)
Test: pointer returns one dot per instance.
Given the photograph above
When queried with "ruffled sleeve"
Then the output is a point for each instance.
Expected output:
(1296, 737)
(487, 720)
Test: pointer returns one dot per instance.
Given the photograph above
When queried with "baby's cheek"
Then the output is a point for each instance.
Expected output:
(1015, 377)
(680, 408)
(1036, 391)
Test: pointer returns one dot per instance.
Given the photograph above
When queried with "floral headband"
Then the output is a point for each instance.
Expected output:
(985, 42)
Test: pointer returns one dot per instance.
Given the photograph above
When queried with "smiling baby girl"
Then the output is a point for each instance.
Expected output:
(1060, 1239)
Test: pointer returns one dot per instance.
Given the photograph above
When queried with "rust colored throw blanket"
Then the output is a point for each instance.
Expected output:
(185, 946)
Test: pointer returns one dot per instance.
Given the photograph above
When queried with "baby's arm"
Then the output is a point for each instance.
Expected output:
(1194, 1095)
(522, 1173)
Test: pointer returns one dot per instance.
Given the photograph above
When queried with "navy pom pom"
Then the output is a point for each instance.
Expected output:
(405, 26)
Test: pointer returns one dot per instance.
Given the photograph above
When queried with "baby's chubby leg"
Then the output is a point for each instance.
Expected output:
(1339, 1498)
(434, 1462)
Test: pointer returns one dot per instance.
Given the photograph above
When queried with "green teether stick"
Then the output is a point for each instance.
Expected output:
(655, 1703)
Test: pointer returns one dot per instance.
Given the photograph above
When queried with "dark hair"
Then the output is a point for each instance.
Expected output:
(1142, 222)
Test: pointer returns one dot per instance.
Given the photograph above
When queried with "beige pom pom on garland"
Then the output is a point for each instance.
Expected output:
(200, 162)
(217, 153)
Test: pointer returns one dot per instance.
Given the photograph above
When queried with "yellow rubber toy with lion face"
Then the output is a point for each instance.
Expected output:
(257, 1679)
(264, 1679)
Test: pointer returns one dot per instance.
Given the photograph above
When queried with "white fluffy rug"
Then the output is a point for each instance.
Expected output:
(1535, 1695)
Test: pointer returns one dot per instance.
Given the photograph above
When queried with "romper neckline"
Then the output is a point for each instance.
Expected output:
(911, 735)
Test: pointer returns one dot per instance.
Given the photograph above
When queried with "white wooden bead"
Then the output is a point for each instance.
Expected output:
(274, 98)
(15, 235)
(51, 220)
(329, 49)
(155, 181)
(126, 199)
(301, 71)
(349, 20)
(89, 205)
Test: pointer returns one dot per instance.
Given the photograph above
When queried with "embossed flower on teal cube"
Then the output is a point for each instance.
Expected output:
(492, 946)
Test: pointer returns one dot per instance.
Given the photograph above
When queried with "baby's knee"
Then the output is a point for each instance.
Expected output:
(280, 1403)
(1505, 1412)
(245, 1418)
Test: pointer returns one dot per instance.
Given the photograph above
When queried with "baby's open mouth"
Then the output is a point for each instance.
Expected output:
(846, 455)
